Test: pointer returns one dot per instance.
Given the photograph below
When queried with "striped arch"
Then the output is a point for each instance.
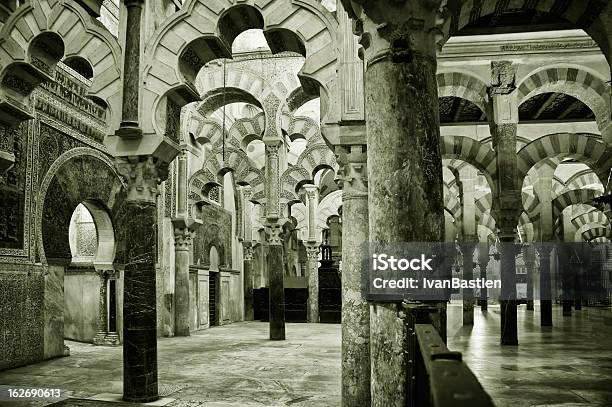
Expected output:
(204, 130)
(592, 231)
(292, 180)
(486, 220)
(585, 15)
(593, 216)
(40, 33)
(572, 197)
(203, 31)
(584, 179)
(315, 157)
(585, 147)
(600, 240)
(463, 86)
(473, 152)
(572, 81)
(247, 129)
(452, 204)
(301, 127)
(486, 235)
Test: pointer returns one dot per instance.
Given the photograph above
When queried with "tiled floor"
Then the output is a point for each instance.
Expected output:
(236, 365)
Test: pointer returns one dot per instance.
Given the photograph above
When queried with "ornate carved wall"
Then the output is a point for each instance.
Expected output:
(216, 230)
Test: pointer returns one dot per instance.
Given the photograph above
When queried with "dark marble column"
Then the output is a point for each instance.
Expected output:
(507, 199)
(312, 265)
(355, 310)
(248, 281)
(112, 338)
(131, 72)
(102, 310)
(468, 274)
(183, 242)
(507, 302)
(483, 261)
(273, 230)
(404, 163)
(545, 285)
(139, 220)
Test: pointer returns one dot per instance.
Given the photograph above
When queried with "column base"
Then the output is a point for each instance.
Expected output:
(99, 338)
(106, 339)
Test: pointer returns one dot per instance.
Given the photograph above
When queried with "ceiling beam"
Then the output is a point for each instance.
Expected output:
(569, 109)
(459, 108)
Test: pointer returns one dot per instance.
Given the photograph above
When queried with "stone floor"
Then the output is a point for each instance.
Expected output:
(236, 365)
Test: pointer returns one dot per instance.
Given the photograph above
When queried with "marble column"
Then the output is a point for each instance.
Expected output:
(312, 265)
(131, 72)
(404, 162)
(507, 199)
(545, 285)
(529, 258)
(248, 281)
(273, 229)
(139, 220)
(100, 337)
(507, 302)
(113, 337)
(483, 261)
(183, 242)
(355, 310)
(467, 249)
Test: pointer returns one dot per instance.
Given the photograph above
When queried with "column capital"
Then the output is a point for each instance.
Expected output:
(397, 30)
(312, 250)
(183, 238)
(247, 251)
(311, 190)
(273, 230)
(353, 171)
(142, 174)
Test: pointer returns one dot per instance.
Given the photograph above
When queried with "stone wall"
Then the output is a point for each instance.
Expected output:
(21, 315)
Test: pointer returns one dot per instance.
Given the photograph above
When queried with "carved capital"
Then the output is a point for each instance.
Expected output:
(353, 171)
(312, 250)
(398, 30)
(274, 231)
(142, 175)
(503, 77)
(248, 252)
(183, 238)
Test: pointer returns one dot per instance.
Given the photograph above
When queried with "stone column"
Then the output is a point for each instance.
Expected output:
(273, 230)
(139, 220)
(507, 302)
(131, 72)
(529, 258)
(483, 261)
(312, 253)
(112, 338)
(355, 310)
(468, 274)
(403, 160)
(100, 337)
(248, 281)
(183, 243)
(507, 199)
(545, 285)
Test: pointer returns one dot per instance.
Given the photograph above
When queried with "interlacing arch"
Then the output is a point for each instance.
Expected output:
(463, 86)
(216, 165)
(305, 128)
(328, 206)
(38, 35)
(317, 156)
(587, 148)
(452, 204)
(203, 31)
(573, 81)
(246, 129)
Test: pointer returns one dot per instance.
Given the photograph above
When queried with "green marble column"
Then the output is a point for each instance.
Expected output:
(248, 281)
(468, 274)
(545, 285)
(312, 264)
(183, 242)
(139, 220)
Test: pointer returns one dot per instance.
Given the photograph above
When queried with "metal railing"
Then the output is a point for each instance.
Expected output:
(438, 377)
